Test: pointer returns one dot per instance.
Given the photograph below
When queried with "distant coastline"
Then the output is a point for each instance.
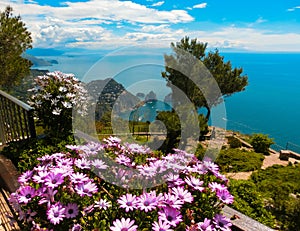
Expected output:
(39, 62)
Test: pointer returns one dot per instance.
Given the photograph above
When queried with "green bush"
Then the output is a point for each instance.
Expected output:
(292, 221)
(234, 142)
(250, 202)
(261, 143)
(203, 126)
(172, 123)
(200, 151)
(271, 179)
(236, 160)
(56, 97)
(24, 153)
(176, 126)
(277, 184)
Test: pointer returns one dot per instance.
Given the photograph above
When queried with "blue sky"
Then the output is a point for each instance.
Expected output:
(257, 25)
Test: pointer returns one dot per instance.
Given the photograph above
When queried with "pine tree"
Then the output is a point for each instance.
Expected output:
(190, 66)
(15, 39)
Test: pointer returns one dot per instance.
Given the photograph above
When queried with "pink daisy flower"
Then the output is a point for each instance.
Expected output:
(195, 183)
(86, 189)
(183, 194)
(26, 194)
(123, 225)
(147, 201)
(128, 202)
(56, 213)
(102, 204)
(25, 176)
(205, 225)
(161, 226)
(172, 200)
(214, 186)
(71, 210)
(53, 180)
(225, 196)
(221, 222)
(170, 215)
(79, 178)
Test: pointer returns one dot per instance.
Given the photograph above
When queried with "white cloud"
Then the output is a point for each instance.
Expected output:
(153, 28)
(260, 20)
(293, 9)
(109, 24)
(158, 3)
(244, 38)
(200, 6)
(91, 22)
(31, 1)
(112, 10)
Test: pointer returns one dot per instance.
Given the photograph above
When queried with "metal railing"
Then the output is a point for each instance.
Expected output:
(16, 119)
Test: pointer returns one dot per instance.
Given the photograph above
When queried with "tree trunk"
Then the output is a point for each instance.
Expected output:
(208, 113)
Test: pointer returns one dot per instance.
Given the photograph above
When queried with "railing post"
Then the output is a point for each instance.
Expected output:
(2, 131)
(31, 124)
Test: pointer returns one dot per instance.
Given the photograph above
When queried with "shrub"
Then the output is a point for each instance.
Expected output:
(261, 143)
(277, 184)
(250, 202)
(55, 97)
(24, 153)
(200, 151)
(292, 221)
(176, 126)
(236, 160)
(234, 142)
(203, 126)
(271, 179)
(104, 186)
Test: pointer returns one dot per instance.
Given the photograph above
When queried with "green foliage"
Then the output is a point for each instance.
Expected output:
(188, 125)
(277, 184)
(24, 153)
(261, 143)
(203, 126)
(250, 202)
(191, 66)
(173, 126)
(21, 91)
(292, 221)
(271, 179)
(200, 151)
(234, 142)
(236, 160)
(14, 40)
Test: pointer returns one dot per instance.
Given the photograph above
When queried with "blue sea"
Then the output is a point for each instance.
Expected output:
(270, 104)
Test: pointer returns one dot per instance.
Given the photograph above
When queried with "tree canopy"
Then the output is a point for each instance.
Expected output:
(14, 40)
(190, 66)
